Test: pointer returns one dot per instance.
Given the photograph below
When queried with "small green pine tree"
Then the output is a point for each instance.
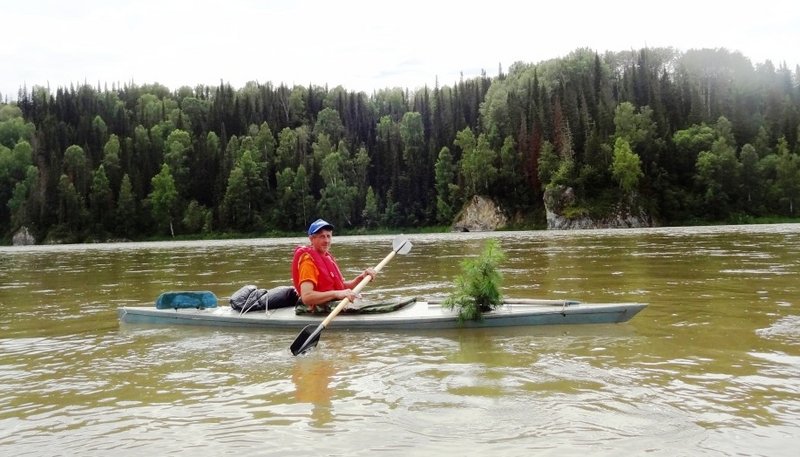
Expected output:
(477, 288)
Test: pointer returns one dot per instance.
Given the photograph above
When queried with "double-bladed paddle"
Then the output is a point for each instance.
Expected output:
(309, 336)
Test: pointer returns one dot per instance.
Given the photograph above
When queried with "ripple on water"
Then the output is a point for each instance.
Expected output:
(786, 328)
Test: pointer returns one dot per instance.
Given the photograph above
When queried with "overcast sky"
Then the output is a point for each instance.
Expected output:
(361, 45)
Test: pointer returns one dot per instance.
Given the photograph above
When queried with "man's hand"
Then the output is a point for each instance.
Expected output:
(369, 272)
(348, 294)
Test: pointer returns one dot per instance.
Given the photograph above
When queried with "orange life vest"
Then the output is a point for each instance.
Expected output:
(330, 278)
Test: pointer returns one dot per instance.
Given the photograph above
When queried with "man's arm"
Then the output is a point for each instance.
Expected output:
(312, 298)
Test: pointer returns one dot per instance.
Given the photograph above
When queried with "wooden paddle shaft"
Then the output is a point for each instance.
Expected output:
(357, 289)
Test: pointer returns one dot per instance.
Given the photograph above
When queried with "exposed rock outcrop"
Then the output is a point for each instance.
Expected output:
(557, 199)
(23, 237)
(480, 214)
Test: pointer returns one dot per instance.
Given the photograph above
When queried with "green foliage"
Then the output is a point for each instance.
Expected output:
(13, 127)
(626, 167)
(391, 216)
(72, 206)
(359, 168)
(510, 164)
(126, 208)
(329, 123)
(548, 164)
(177, 149)
(717, 174)
(8, 112)
(495, 112)
(287, 198)
(634, 128)
(564, 174)
(21, 199)
(370, 214)
(445, 173)
(477, 289)
(337, 197)
(76, 167)
(294, 204)
(751, 182)
(164, 199)
(101, 200)
(575, 212)
(236, 204)
(477, 163)
(197, 218)
(111, 161)
(788, 179)
(14, 166)
(415, 176)
(303, 201)
(716, 138)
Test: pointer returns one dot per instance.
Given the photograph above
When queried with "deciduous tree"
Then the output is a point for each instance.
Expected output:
(164, 199)
(626, 167)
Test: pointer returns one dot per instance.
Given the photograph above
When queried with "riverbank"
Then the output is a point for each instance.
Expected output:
(436, 229)
(741, 220)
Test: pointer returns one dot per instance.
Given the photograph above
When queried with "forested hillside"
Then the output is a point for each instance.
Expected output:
(702, 135)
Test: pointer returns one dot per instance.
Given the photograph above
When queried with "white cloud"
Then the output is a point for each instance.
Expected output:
(361, 45)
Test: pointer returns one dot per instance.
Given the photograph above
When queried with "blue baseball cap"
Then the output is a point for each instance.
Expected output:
(318, 225)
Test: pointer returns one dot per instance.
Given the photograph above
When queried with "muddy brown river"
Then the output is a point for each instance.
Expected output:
(710, 367)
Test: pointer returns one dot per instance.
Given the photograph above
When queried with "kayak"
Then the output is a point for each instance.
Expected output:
(414, 314)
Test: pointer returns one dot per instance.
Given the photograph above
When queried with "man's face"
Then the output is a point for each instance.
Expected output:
(321, 241)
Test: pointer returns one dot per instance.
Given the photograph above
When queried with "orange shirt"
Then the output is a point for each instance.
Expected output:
(308, 271)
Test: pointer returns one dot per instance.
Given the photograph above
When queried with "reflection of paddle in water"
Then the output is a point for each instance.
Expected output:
(311, 379)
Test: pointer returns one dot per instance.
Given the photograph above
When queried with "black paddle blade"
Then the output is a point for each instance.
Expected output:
(306, 340)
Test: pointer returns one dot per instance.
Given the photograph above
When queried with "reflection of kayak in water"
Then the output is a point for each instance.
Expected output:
(404, 314)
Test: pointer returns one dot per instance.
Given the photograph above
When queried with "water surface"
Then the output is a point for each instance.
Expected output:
(711, 367)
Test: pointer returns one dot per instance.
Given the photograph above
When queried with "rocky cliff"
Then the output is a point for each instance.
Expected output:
(557, 199)
(480, 214)
(23, 237)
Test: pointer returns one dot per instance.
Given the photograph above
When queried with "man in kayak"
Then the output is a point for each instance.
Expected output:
(316, 276)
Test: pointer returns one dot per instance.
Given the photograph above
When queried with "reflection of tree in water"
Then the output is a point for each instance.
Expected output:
(311, 378)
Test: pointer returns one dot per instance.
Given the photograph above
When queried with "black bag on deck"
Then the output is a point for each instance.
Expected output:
(250, 298)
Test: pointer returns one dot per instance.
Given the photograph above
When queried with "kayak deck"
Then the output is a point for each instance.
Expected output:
(418, 315)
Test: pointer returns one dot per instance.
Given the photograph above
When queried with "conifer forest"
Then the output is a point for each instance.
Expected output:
(686, 137)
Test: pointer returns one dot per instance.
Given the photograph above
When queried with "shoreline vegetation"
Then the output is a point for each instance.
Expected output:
(683, 138)
(404, 230)
(389, 231)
